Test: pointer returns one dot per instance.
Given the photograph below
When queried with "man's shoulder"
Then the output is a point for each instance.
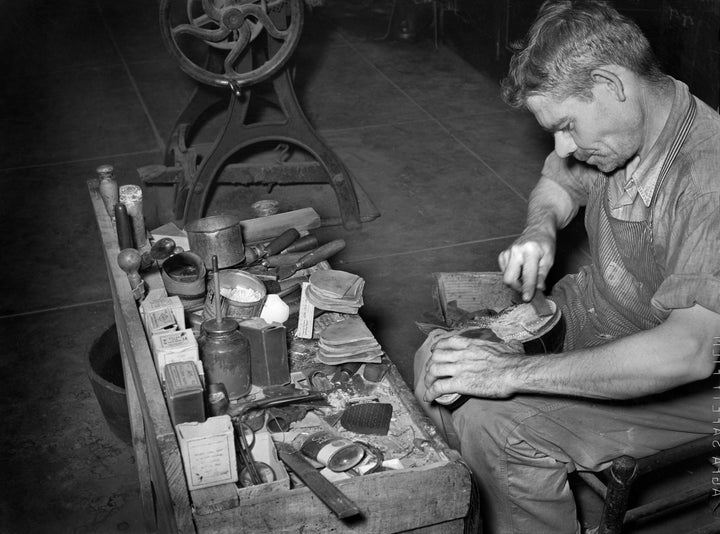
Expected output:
(698, 160)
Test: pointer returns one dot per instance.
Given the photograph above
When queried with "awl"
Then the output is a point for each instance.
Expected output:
(313, 258)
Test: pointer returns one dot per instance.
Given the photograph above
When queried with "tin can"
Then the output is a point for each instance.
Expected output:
(335, 452)
(235, 279)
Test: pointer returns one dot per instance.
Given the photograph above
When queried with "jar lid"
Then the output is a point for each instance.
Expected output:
(225, 326)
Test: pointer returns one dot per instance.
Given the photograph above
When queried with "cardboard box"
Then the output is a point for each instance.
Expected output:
(156, 302)
(263, 450)
(184, 393)
(208, 452)
(268, 351)
(178, 346)
(159, 321)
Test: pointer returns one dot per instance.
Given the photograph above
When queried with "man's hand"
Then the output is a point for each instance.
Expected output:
(526, 263)
(472, 367)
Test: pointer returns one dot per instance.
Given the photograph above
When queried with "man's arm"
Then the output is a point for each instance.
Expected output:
(676, 352)
(526, 263)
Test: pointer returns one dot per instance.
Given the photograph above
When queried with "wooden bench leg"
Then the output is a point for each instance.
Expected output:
(622, 473)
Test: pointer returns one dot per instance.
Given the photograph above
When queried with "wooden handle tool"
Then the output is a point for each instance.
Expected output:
(325, 490)
(313, 258)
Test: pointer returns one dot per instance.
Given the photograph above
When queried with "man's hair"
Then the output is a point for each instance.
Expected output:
(569, 39)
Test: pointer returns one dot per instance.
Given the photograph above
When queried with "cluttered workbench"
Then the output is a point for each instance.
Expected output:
(391, 472)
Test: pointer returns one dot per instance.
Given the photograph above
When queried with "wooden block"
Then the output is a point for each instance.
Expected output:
(265, 228)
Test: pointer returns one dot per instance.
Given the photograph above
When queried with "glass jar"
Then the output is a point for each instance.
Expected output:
(225, 354)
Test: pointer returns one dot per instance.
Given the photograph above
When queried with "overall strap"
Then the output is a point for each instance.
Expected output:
(677, 144)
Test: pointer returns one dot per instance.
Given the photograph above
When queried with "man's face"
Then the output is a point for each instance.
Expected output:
(603, 132)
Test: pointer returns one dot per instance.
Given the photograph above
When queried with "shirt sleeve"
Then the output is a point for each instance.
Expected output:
(693, 258)
(572, 175)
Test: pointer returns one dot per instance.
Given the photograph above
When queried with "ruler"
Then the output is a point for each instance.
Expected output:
(306, 315)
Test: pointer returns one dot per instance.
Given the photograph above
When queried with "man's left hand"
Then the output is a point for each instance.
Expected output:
(472, 367)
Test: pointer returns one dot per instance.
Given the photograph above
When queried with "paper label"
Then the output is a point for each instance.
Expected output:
(306, 315)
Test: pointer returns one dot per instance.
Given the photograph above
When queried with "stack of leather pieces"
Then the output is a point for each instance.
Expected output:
(336, 291)
(347, 341)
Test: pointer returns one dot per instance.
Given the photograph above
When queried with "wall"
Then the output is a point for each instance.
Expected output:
(684, 33)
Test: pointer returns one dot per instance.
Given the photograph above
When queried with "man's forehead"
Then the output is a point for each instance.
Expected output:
(550, 113)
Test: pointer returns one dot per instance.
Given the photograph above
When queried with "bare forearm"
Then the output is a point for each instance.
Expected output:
(648, 362)
(677, 352)
(549, 208)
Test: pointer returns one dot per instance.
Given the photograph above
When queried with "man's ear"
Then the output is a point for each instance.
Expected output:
(610, 81)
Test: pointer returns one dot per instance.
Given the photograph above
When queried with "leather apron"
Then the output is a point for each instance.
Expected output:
(612, 297)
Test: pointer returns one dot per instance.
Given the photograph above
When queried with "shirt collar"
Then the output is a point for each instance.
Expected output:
(643, 179)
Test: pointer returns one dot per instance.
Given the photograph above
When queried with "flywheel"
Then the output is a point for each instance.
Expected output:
(251, 39)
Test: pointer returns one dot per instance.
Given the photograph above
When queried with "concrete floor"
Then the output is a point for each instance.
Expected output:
(424, 133)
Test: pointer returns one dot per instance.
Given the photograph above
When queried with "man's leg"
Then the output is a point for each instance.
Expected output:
(521, 450)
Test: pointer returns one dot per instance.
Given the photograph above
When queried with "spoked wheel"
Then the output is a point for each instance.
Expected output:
(194, 29)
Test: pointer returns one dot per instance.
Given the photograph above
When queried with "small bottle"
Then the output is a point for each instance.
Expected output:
(225, 354)
(108, 188)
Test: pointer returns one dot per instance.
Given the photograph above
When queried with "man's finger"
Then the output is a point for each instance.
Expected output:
(529, 279)
(511, 273)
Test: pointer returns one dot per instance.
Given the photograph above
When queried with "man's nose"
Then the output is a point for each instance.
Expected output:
(564, 144)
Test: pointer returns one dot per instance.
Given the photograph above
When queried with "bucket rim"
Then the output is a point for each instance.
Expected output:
(197, 226)
(94, 376)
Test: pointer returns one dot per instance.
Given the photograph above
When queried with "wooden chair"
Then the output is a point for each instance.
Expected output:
(616, 484)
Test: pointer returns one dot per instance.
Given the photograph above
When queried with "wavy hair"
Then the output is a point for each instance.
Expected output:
(569, 39)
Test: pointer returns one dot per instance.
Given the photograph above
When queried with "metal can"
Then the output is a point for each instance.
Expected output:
(331, 450)
(225, 354)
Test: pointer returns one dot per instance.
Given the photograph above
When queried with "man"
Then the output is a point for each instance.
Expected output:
(634, 377)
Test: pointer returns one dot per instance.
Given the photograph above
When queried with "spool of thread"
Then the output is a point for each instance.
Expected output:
(108, 188)
(131, 196)
(264, 208)
(123, 227)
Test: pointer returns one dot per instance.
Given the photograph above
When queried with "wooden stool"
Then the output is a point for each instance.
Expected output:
(625, 470)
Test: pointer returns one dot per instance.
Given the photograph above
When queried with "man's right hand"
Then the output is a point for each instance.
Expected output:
(526, 263)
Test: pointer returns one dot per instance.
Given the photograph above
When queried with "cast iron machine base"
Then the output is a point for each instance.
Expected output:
(243, 48)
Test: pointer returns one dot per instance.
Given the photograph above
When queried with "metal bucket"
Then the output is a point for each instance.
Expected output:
(104, 369)
(217, 235)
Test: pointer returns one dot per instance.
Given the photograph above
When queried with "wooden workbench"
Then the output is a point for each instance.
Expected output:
(433, 494)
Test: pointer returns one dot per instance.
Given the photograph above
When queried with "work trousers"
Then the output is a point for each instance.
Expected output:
(521, 450)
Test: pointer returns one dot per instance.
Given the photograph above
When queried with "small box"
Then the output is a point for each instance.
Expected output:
(268, 351)
(184, 393)
(159, 321)
(263, 450)
(208, 452)
(159, 302)
(179, 346)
